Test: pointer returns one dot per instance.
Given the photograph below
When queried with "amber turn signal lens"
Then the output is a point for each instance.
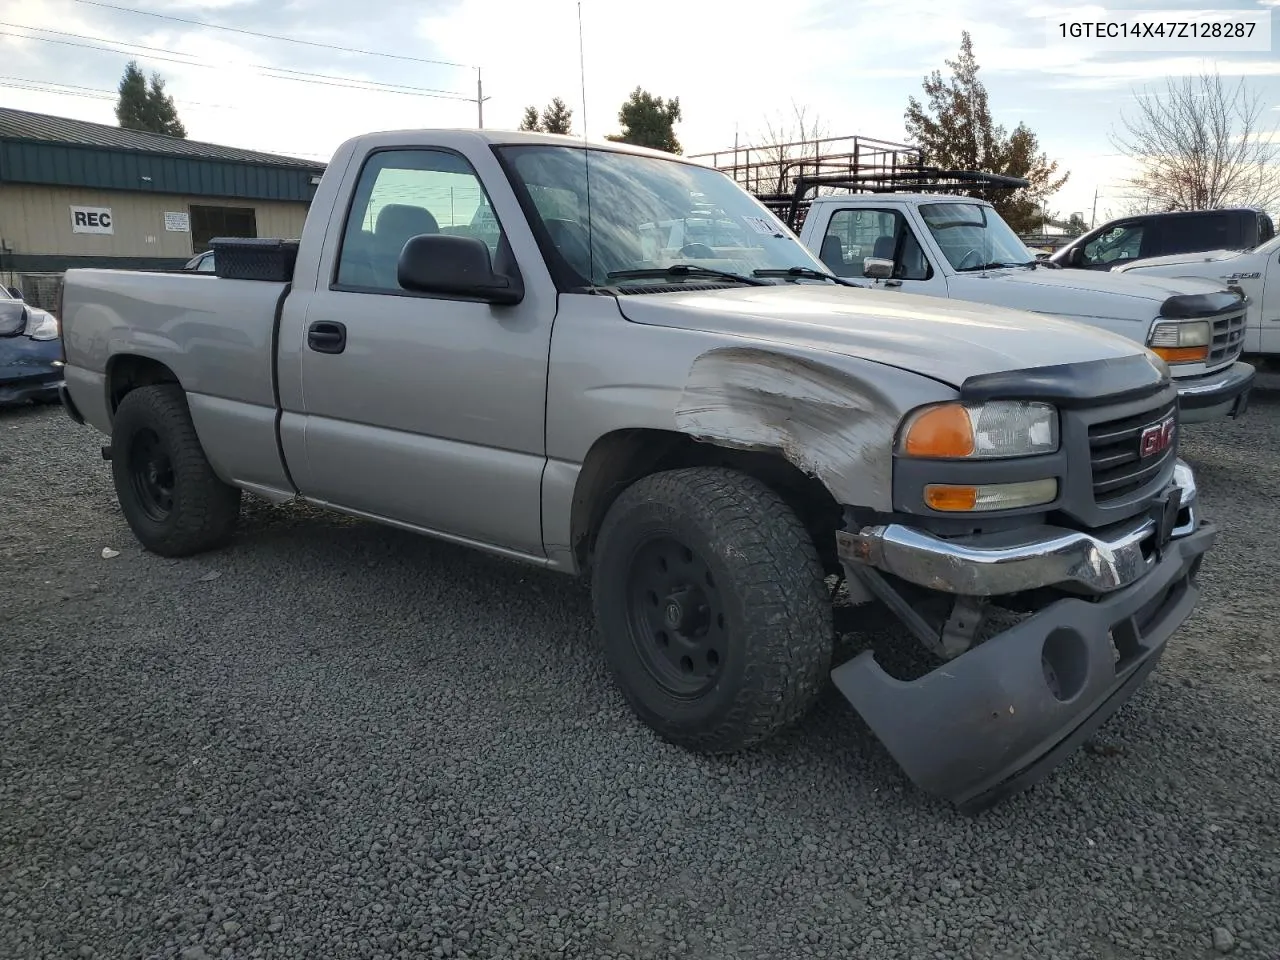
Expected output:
(1181, 354)
(950, 498)
(944, 431)
(955, 498)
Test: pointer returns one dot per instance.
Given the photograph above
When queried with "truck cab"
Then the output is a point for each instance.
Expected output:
(960, 248)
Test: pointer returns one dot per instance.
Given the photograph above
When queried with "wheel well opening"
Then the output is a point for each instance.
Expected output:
(619, 459)
(128, 372)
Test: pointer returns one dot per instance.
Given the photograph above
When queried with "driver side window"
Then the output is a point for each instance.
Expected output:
(403, 194)
(854, 235)
(1120, 243)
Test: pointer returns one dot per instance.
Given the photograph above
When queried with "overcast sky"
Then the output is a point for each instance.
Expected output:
(732, 63)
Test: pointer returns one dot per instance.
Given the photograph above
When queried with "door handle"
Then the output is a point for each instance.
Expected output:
(327, 336)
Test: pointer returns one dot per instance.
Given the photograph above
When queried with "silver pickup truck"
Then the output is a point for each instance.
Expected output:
(475, 339)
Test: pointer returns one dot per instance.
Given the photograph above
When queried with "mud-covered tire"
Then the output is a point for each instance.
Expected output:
(179, 508)
(758, 584)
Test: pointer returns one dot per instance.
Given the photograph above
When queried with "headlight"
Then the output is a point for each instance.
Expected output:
(1181, 342)
(41, 325)
(979, 431)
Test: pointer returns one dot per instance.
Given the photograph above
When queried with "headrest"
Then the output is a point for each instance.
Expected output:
(398, 222)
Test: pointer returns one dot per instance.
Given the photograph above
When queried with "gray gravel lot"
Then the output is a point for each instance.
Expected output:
(333, 740)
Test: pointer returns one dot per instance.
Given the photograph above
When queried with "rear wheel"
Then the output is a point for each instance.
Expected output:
(714, 611)
(172, 500)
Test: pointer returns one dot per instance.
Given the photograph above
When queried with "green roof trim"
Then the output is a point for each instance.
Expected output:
(40, 149)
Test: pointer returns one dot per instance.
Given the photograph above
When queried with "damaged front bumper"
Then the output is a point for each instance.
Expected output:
(998, 717)
(1029, 558)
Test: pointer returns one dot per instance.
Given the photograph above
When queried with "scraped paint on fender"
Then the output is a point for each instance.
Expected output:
(822, 420)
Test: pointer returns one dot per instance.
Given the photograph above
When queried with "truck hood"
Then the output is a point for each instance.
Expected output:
(1075, 293)
(1178, 259)
(947, 340)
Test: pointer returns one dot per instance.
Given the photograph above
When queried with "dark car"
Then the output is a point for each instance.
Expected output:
(30, 351)
(201, 262)
(1161, 234)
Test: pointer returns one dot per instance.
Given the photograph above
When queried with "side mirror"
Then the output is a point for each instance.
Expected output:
(877, 268)
(15, 293)
(455, 266)
(1076, 257)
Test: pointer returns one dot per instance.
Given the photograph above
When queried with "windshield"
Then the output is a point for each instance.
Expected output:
(973, 236)
(648, 213)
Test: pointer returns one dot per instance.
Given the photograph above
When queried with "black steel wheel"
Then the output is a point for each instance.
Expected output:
(677, 617)
(713, 608)
(169, 494)
(151, 475)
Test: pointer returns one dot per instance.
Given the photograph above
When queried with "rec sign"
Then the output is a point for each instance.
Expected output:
(92, 220)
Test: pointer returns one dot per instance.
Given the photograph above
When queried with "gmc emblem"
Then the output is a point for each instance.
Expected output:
(1158, 437)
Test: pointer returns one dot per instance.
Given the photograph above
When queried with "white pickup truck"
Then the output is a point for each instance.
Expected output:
(1253, 272)
(960, 248)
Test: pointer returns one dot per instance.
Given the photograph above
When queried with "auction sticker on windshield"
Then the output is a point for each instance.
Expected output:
(761, 225)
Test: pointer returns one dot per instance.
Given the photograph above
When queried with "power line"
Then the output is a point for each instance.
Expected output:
(94, 94)
(46, 86)
(271, 36)
(62, 93)
(192, 61)
(350, 83)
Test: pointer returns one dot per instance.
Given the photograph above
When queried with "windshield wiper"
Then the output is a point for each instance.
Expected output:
(1033, 264)
(804, 272)
(684, 270)
(993, 266)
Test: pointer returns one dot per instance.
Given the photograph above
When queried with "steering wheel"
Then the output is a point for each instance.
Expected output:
(976, 254)
(698, 251)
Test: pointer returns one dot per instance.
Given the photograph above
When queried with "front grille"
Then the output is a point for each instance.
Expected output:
(1228, 339)
(1116, 458)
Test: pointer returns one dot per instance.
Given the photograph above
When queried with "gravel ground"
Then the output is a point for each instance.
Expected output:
(333, 740)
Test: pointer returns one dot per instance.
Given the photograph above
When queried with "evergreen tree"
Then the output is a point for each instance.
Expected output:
(957, 132)
(163, 112)
(648, 121)
(531, 121)
(557, 118)
(146, 106)
(133, 106)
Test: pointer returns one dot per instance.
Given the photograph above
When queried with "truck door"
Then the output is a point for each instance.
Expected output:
(856, 233)
(421, 409)
(1269, 308)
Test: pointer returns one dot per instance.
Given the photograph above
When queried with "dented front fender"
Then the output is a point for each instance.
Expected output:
(829, 423)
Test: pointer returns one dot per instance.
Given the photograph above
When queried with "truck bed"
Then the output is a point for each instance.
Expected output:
(217, 337)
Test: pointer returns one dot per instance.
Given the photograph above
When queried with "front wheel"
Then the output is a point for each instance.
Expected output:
(713, 607)
(172, 500)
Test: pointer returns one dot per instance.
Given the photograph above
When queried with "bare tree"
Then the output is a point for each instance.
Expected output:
(783, 141)
(1199, 146)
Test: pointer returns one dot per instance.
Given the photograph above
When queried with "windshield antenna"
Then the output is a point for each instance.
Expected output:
(586, 151)
(986, 240)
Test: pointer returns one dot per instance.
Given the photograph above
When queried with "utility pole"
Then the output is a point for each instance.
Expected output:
(479, 99)
(1093, 217)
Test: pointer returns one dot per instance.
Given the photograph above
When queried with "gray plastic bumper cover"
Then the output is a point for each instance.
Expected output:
(1000, 716)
